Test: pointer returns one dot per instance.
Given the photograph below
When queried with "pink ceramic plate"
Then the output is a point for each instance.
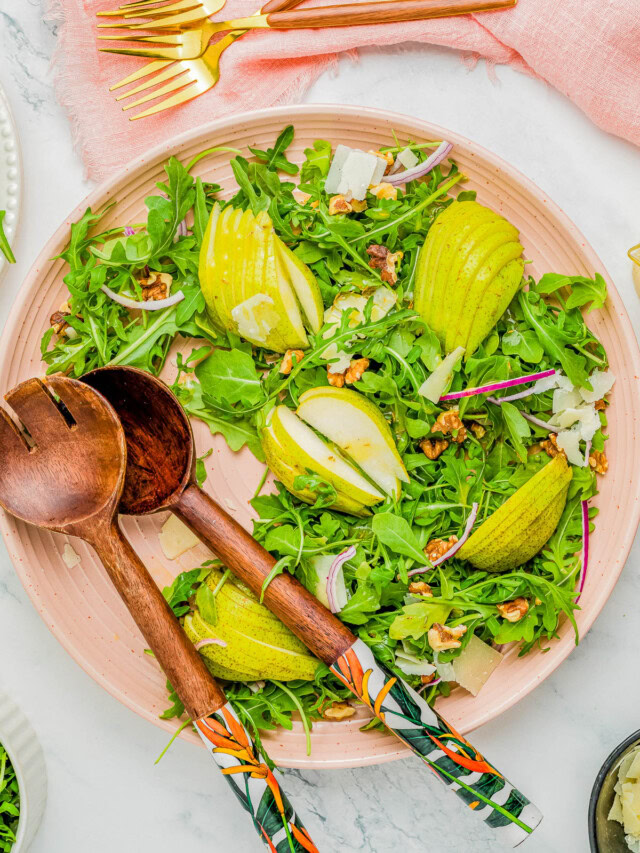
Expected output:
(79, 604)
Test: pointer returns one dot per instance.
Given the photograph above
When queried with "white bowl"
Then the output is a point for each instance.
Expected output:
(21, 744)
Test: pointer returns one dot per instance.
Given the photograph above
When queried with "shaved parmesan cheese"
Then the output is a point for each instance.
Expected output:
(435, 385)
(412, 665)
(626, 805)
(343, 359)
(378, 172)
(475, 664)
(586, 416)
(383, 301)
(256, 317)
(357, 174)
(445, 670)
(569, 441)
(176, 538)
(602, 382)
(563, 399)
(69, 556)
(407, 158)
(334, 176)
(547, 383)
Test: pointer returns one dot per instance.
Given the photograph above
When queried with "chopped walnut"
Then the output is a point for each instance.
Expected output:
(600, 405)
(287, 360)
(449, 422)
(478, 430)
(384, 190)
(314, 204)
(420, 588)
(387, 156)
(427, 679)
(338, 711)
(58, 322)
(599, 462)
(433, 447)
(441, 638)
(339, 204)
(380, 258)
(550, 446)
(513, 611)
(155, 285)
(355, 370)
(335, 379)
(437, 548)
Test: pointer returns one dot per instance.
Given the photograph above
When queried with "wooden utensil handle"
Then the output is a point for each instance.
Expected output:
(293, 604)
(380, 12)
(175, 653)
(278, 5)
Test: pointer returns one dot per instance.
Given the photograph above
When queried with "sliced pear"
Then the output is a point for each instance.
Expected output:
(257, 646)
(286, 473)
(206, 266)
(304, 285)
(304, 448)
(468, 270)
(519, 528)
(360, 430)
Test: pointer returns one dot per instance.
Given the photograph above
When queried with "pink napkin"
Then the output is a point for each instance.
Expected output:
(588, 49)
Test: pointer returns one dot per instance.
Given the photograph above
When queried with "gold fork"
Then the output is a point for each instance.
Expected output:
(172, 15)
(191, 44)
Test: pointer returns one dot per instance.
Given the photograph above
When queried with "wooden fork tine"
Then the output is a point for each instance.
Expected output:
(150, 68)
(167, 74)
(181, 79)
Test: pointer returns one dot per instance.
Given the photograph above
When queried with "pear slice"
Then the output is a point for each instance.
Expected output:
(286, 472)
(468, 270)
(360, 430)
(257, 646)
(519, 528)
(206, 266)
(304, 448)
(304, 285)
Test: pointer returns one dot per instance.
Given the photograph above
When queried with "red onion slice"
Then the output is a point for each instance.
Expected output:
(429, 684)
(587, 452)
(454, 548)
(440, 154)
(151, 305)
(332, 577)
(585, 548)
(498, 386)
(129, 231)
(527, 416)
(209, 641)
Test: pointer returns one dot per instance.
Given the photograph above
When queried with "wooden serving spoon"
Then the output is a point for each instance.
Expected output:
(161, 476)
(63, 468)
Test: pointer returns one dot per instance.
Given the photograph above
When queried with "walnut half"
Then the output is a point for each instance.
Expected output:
(338, 711)
(514, 611)
(433, 447)
(441, 638)
(450, 423)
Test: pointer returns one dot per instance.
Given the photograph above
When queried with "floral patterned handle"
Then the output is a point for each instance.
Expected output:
(253, 783)
(452, 758)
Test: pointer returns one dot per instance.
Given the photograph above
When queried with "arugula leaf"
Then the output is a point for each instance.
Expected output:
(317, 163)
(583, 290)
(518, 429)
(275, 157)
(230, 376)
(395, 532)
(524, 344)
(5, 248)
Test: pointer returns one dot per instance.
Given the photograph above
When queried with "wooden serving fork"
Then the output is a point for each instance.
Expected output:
(64, 469)
(161, 475)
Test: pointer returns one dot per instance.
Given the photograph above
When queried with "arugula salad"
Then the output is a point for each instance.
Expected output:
(434, 418)
(9, 802)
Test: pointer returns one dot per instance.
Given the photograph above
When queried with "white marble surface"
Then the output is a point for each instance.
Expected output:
(105, 792)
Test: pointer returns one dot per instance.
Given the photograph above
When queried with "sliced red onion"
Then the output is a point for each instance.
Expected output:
(182, 230)
(429, 684)
(454, 548)
(531, 418)
(585, 548)
(151, 305)
(129, 231)
(587, 451)
(332, 577)
(209, 641)
(440, 154)
(498, 386)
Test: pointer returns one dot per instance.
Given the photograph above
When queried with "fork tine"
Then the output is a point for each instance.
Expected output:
(170, 22)
(11, 438)
(152, 52)
(168, 74)
(192, 91)
(150, 68)
(181, 79)
(139, 10)
(85, 405)
(34, 405)
(172, 40)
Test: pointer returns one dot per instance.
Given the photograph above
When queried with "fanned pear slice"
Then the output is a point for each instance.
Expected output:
(286, 472)
(224, 253)
(206, 266)
(304, 448)
(519, 528)
(304, 285)
(358, 427)
(469, 269)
